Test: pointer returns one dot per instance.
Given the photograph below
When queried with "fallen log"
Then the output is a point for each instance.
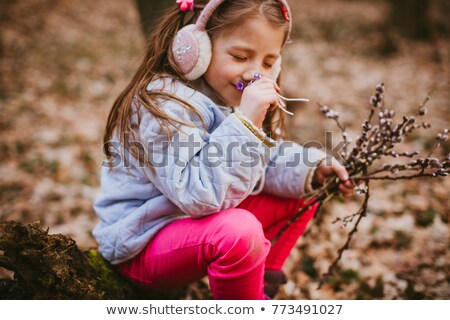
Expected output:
(37, 265)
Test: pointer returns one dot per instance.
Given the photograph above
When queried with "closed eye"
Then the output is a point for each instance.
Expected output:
(239, 58)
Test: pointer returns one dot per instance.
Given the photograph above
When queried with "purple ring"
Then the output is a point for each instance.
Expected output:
(240, 86)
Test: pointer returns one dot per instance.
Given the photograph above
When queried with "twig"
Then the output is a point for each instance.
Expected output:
(362, 212)
(379, 137)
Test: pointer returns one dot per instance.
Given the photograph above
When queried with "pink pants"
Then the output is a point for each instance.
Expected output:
(232, 247)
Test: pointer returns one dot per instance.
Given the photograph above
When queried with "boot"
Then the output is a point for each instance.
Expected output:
(273, 279)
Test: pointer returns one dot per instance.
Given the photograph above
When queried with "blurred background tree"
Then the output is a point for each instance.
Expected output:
(150, 11)
(411, 18)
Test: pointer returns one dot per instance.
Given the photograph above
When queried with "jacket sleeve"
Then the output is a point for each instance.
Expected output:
(290, 169)
(202, 172)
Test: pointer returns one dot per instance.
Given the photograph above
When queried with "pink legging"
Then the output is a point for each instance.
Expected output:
(232, 247)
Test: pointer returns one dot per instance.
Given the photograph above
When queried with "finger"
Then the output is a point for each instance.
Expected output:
(264, 90)
(269, 97)
(340, 170)
(344, 189)
(319, 177)
(271, 82)
(277, 87)
(349, 184)
(265, 86)
(264, 95)
(274, 84)
(346, 194)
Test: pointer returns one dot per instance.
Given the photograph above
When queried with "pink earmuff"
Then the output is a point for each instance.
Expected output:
(191, 48)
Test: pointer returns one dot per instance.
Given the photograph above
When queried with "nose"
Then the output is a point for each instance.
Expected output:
(250, 73)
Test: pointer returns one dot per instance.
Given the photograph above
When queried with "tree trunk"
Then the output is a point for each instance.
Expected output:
(150, 11)
(411, 18)
(36, 265)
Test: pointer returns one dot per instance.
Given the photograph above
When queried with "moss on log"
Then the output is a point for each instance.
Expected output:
(43, 266)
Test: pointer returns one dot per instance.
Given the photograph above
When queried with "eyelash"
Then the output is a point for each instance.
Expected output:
(240, 58)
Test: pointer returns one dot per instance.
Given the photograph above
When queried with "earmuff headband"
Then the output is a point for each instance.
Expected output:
(214, 4)
(206, 14)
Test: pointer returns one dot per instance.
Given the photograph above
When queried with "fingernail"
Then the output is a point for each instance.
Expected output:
(257, 75)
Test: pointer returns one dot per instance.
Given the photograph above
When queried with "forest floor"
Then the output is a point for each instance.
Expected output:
(62, 64)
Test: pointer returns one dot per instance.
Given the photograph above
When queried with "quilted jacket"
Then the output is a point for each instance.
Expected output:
(206, 167)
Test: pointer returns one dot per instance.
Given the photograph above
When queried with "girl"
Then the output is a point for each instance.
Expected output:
(194, 186)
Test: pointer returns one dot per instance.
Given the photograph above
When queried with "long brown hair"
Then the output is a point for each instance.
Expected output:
(158, 62)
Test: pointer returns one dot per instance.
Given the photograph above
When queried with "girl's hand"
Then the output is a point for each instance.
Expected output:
(257, 98)
(324, 171)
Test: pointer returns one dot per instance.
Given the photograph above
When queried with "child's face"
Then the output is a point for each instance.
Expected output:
(238, 54)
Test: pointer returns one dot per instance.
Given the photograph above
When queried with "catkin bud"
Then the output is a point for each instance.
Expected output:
(380, 88)
(324, 109)
(364, 125)
(437, 165)
(434, 161)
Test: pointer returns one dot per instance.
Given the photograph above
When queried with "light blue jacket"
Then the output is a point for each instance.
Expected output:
(199, 173)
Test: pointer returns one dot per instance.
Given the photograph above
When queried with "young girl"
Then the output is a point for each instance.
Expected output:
(195, 186)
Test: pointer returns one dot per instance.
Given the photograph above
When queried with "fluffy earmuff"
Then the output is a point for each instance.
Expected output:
(191, 48)
(192, 52)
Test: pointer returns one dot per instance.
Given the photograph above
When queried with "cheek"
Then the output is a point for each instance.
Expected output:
(222, 67)
(230, 72)
(211, 78)
(219, 77)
